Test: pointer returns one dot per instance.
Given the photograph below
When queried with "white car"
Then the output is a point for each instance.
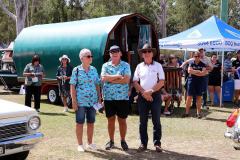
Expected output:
(233, 130)
(18, 130)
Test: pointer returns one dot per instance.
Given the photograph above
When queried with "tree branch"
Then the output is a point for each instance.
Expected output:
(7, 11)
(157, 17)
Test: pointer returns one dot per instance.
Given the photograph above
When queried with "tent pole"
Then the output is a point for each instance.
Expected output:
(221, 78)
(185, 56)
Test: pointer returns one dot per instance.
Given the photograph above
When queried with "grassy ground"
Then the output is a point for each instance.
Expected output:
(182, 138)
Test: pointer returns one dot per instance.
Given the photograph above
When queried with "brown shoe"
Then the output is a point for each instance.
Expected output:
(158, 149)
(142, 148)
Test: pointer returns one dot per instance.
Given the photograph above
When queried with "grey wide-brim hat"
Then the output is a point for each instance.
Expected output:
(147, 46)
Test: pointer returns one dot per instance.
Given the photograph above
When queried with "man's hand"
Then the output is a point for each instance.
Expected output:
(74, 105)
(65, 77)
(130, 92)
(60, 77)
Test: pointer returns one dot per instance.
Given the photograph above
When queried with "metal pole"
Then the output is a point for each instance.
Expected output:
(221, 78)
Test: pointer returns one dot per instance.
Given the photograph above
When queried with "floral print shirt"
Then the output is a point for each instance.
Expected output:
(114, 91)
(86, 92)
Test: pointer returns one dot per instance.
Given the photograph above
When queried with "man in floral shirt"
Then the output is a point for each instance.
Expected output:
(116, 76)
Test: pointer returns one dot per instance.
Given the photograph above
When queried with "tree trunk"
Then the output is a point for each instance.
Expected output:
(163, 15)
(21, 11)
(32, 9)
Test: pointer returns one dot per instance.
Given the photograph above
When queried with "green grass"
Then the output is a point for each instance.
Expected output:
(182, 138)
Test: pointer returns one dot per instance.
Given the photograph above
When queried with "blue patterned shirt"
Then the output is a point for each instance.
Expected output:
(114, 91)
(86, 92)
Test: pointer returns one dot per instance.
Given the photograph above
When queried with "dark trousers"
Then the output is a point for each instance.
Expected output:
(36, 91)
(155, 106)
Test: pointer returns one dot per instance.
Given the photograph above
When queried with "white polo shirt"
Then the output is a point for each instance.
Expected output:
(148, 74)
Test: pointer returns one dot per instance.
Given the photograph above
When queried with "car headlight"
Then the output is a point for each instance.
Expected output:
(34, 123)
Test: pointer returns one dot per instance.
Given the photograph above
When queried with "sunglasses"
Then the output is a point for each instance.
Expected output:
(171, 58)
(89, 56)
(197, 56)
(112, 52)
(149, 51)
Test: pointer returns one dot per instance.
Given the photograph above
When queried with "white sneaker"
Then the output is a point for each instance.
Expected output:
(80, 148)
(65, 109)
(92, 146)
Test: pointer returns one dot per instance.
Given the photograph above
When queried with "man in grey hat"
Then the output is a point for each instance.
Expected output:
(116, 76)
(151, 77)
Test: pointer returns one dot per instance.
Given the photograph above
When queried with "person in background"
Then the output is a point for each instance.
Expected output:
(34, 72)
(64, 73)
(151, 77)
(215, 79)
(209, 67)
(172, 63)
(235, 65)
(228, 64)
(186, 79)
(166, 97)
(197, 71)
(178, 61)
(85, 92)
(116, 76)
(162, 60)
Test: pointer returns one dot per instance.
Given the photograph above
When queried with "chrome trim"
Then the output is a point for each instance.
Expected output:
(31, 139)
(11, 123)
(228, 135)
(15, 137)
(37, 127)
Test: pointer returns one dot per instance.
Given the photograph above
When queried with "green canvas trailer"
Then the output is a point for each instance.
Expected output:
(51, 41)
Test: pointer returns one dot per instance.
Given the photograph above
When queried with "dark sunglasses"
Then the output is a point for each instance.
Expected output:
(89, 56)
(171, 58)
(149, 51)
(112, 52)
(197, 56)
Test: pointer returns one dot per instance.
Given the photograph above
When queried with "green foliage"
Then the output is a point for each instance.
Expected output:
(181, 14)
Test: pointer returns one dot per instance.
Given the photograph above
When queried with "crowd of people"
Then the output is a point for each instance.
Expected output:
(82, 85)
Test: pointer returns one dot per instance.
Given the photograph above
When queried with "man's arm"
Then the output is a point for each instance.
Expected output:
(186, 62)
(122, 80)
(110, 78)
(234, 70)
(209, 65)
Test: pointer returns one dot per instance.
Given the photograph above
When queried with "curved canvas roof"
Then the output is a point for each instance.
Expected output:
(51, 41)
(212, 34)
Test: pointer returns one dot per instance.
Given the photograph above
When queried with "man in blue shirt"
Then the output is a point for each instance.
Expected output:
(116, 76)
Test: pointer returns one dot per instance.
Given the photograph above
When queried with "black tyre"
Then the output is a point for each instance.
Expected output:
(237, 148)
(53, 95)
(16, 156)
(69, 102)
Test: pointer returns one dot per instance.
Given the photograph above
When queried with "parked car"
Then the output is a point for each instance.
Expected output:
(233, 130)
(18, 130)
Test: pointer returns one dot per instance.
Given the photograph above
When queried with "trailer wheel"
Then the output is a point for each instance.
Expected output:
(69, 102)
(53, 96)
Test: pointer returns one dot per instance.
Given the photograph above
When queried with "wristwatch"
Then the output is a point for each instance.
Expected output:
(152, 90)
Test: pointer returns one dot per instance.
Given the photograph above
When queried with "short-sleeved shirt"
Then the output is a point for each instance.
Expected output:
(148, 75)
(199, 67)
(86, 92)
(216, 70)
(228, 65)
(34, 69)
(205, 60)
(236, 64)
(115, 91)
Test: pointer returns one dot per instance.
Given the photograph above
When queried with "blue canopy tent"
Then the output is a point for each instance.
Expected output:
(212, 34)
